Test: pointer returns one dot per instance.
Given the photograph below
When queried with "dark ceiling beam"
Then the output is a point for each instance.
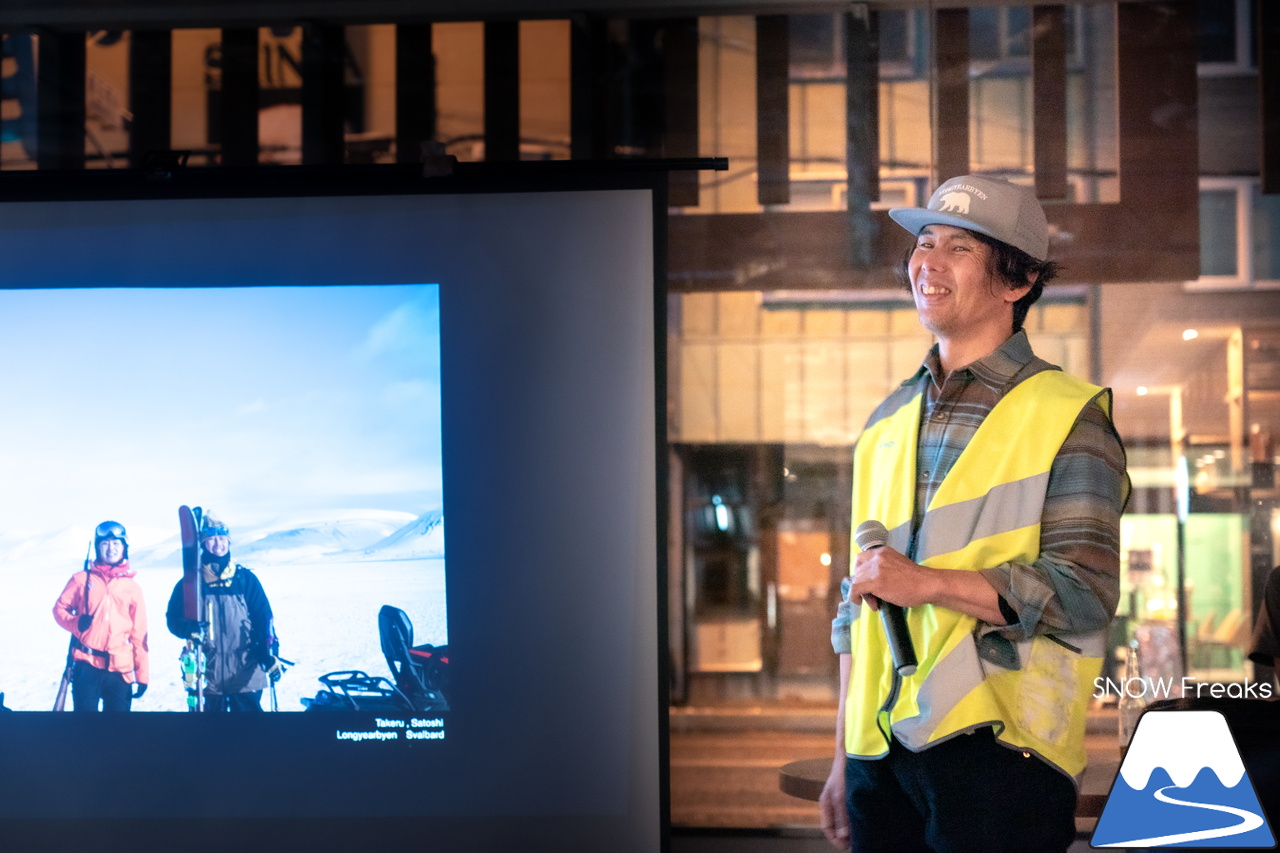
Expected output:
(501, 91)
(773, 118)
(1268, 33)
(238, 95)
(85, 15)
(60, 91)
(415, 91)
(150, 93)
(862, 132)
(680, 102)
(323, 47)
(590, 76)
(951, 94)
(1049, 99)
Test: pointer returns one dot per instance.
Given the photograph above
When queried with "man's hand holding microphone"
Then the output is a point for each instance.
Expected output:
(887, 582)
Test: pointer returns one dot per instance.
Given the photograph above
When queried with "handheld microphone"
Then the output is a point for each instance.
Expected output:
(872, 534)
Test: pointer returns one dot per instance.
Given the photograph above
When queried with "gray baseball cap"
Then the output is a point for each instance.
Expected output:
(1006, 212)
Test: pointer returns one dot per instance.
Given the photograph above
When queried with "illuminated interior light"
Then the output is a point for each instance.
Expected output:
(1190, 335)
(721, 513)
(1142, 391)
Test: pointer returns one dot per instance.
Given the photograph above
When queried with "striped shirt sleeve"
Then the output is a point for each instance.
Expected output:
(1074, 585)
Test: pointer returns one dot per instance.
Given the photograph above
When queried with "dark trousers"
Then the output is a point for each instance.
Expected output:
(965, 794)
(250, 701)
(90, 685)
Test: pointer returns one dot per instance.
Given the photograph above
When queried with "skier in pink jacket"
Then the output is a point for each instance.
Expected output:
(103, 609)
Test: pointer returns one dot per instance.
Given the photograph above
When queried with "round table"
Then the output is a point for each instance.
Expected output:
(806, 777)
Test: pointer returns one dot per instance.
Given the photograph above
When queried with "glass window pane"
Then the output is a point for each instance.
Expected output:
(984, 33)
(1216, 30)
(893, 36)
(1266, 237)
(1218, 229)
(814, 44)
(1017, 40)
(1073, 46)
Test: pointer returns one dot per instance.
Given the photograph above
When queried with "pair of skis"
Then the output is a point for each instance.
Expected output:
(192, 657)
(194, 610)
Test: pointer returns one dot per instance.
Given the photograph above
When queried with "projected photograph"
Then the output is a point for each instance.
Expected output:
(304, 422)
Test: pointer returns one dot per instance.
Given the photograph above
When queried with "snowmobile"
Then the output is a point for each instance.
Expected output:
(420, 673)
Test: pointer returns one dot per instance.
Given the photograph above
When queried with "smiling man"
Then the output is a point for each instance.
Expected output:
(238, 635)
(1000, 480)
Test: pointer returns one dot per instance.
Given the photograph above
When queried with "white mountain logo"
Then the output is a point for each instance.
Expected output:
(1182, 781)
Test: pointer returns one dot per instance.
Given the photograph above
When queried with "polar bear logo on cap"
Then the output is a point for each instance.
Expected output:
(955, 201)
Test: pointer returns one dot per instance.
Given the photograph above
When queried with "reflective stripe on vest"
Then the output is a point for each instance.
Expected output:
(985, 512)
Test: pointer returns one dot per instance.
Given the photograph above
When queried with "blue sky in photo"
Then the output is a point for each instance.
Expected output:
(127, 402)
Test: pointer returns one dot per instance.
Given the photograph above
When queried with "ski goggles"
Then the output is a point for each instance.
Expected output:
(109, 530)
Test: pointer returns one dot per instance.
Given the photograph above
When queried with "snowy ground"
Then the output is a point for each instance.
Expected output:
(326, 615)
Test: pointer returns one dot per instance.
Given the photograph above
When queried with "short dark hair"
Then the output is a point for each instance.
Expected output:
(1011, 265)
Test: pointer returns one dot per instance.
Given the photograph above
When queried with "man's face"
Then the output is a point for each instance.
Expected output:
(218, 546)
(110, 551)
(955, 295)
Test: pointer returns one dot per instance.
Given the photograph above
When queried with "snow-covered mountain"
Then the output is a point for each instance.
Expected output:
(1182, 783)
(346, 536)
(61, 550)
(424, 538)
(310, 540)
(357, 538)
(1183, 743)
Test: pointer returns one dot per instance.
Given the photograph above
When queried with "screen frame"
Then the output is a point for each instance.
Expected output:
(296, 181)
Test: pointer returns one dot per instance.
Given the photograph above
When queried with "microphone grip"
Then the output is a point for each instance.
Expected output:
(894, 619)
(872, 534)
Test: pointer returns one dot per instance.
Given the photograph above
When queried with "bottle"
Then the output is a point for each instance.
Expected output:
(1133, 697)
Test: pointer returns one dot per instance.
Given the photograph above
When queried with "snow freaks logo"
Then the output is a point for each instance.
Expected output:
(1182, 783)
(1152, 689)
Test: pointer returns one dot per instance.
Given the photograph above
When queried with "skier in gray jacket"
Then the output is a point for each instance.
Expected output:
(239, 642)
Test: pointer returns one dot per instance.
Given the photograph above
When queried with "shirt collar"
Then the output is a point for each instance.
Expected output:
(995, 370)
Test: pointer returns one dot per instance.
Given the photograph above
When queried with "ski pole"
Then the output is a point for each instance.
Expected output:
(60, 702)
(279, 669)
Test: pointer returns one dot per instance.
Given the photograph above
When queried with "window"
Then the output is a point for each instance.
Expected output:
(1224, 30)
(1239, 227)
(999, 33)
(1219, 233)
(817, 45)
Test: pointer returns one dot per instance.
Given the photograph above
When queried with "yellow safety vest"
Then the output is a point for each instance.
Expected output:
(985, 512)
